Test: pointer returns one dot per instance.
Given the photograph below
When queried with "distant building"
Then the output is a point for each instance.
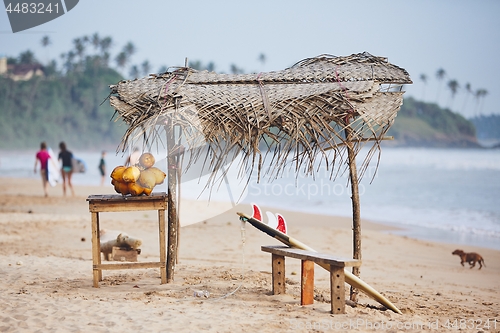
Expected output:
(3, 65)
(20, 72)
(24, 72)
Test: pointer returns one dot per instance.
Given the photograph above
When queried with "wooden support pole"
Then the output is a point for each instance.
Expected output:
(356, 215)
(172, 203)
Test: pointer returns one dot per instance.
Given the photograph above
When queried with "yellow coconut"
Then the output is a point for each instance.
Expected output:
(147, 160)
(117, 173)
(147, 191)
(131, 174)
(121, 187)
(159, 175)
(135, 189)
(147, 179)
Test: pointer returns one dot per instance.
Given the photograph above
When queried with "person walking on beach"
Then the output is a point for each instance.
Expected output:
(102, 167)
(133, 159)
(67, 167)
(43, 156)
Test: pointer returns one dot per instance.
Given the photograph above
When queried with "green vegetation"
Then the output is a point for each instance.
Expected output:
(59, 108)
(488, 127)
(426, 124)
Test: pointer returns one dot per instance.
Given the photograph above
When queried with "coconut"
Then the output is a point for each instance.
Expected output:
(147, 160)
(135, 189)
(121, 187)
(147, 191)
(147, 179)
(159, 175)
(117, 173)
(131, 174)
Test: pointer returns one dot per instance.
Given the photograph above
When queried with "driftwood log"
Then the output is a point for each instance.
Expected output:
(122, 240)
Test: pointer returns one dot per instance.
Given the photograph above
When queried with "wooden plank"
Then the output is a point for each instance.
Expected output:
(307, 282)
(278, 267)
(319, 258)
(124, 206)
(119, 197)
(123, 254)
(130, 265)
(337, 289)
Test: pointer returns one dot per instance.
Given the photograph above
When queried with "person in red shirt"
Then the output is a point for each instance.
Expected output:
(43, 157)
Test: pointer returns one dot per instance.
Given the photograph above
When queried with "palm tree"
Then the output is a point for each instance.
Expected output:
(121, 60)
(129, 49)
(468, 92)
(95, 41)
(46, 42)
(68, 60)
(262, 59)
(453, 86)
(211, 66)
(440, 74)
(27, 57)
(105, 44)
(423, 78)
(235, 69)
(162, 69)
(134, 72)
(79, 47)
(479, 95)
(146, 68)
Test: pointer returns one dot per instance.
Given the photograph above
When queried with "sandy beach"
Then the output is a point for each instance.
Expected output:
(46, 270)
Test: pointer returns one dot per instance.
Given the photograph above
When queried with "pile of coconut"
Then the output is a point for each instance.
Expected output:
(137, 179)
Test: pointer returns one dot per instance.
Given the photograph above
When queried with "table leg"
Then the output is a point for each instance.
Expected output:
(96, 249)
(163, 249)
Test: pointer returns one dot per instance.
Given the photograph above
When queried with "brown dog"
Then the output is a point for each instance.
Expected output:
(471, 258)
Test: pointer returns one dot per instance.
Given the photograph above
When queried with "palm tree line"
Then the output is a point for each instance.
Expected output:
(454, 87)
(96, 50)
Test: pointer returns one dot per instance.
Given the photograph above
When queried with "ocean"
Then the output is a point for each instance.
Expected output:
(447, 195)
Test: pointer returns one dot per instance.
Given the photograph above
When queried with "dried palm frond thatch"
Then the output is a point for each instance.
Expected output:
(300, 112)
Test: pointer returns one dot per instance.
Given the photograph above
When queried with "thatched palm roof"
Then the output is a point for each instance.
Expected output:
(300, 112)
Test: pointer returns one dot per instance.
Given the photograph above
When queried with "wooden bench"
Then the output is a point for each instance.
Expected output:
(308, 258)
(119, 203)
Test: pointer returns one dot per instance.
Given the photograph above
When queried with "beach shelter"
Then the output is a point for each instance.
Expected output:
(321, 110)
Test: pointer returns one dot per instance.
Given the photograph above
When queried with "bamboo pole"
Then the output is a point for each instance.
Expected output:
(361, 140)
(172, 203)
(356, 215)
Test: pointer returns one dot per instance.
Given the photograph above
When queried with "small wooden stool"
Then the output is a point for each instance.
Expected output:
(119, 203)
(337, 277)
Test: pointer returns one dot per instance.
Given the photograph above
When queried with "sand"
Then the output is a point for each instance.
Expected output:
(46, 274)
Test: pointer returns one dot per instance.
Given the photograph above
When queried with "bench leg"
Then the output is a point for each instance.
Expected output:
(307, 282)
(278, 265)
(337, 289)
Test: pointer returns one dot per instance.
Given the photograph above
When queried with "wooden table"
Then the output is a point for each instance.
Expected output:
(119, 203)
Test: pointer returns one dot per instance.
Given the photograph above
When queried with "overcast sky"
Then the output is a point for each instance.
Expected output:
(462, 37)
